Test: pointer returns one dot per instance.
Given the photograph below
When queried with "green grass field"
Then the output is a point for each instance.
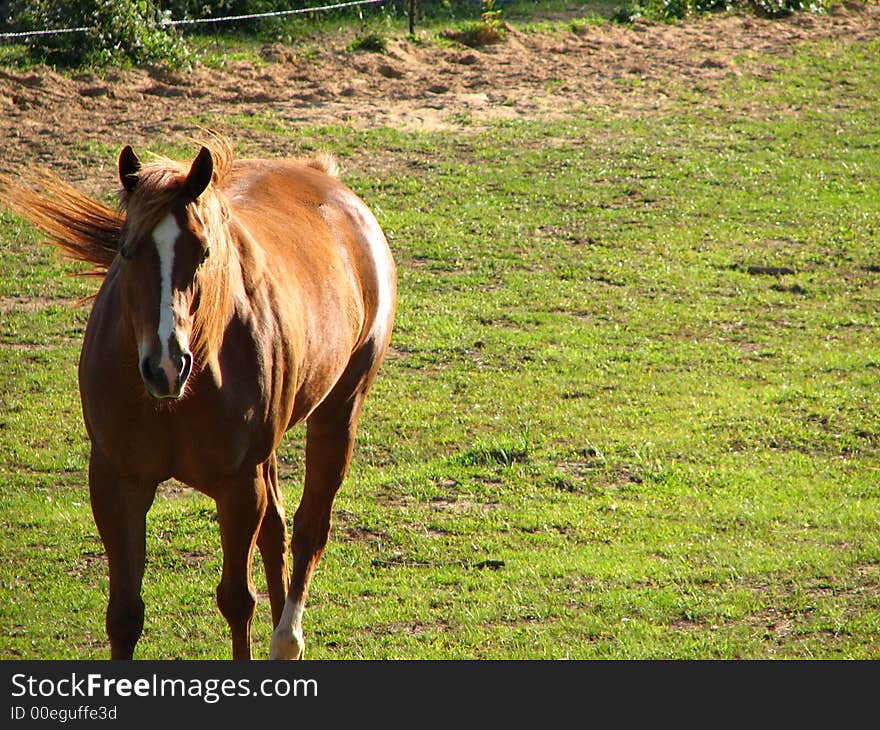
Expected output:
(602, 432)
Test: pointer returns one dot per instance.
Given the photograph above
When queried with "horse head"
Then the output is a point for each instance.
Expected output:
(164, 247)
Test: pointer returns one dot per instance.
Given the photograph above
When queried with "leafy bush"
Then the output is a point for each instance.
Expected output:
(222, 8)
(369, 41)
(666, 10)
(781, 8)
(120, 31)
(483, 32)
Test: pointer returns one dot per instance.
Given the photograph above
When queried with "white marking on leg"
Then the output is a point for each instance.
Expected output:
(165, 236)
(287, 638)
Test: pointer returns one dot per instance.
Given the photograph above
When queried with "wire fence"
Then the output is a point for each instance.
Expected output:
(22, 35)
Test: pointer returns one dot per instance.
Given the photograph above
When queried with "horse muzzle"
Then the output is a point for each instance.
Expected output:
(165, 377)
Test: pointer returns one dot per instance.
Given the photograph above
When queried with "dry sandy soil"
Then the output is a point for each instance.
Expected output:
(55, 120)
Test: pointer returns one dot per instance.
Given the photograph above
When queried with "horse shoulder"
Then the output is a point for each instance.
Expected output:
(111, 394)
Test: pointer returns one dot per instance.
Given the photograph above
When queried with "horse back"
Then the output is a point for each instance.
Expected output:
(310, 225)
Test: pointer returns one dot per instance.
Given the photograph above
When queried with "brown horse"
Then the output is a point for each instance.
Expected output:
(238, 298)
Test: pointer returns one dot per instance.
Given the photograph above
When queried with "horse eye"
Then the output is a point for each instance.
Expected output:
(205, 254)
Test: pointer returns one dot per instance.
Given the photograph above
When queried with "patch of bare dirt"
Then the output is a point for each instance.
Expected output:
(66, 121)
(30, 304)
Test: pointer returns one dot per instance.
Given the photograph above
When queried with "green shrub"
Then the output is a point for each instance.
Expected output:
(781, 8)
(120, 31)
(369, 41)
(666, 10)
(483, 32)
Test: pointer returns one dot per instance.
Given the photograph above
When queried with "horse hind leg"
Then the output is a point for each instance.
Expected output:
(241, 505)
(273, 541)
(330, 436)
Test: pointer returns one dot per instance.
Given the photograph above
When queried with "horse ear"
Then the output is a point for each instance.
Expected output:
(129, 167)
(200, 173)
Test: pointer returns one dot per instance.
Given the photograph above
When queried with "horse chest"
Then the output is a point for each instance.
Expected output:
(198, 441)
(208, 442)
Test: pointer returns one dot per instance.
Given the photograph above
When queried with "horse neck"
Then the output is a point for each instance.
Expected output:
(216, 296)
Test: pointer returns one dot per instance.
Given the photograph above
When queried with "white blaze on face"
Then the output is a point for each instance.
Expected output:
(165, 236)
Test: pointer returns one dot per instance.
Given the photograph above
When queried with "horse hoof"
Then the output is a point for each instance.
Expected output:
(289, 646)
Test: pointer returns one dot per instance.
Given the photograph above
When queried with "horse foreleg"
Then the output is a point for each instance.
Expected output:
(241, 504)
(272, 540)
(330, 434)
(120, 507)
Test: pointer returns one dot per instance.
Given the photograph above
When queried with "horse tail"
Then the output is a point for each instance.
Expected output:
(83, 228)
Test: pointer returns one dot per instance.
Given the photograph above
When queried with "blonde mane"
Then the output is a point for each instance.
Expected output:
(161, 186)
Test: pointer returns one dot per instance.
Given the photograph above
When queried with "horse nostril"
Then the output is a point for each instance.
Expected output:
(147, 370)
(186, 367)
(165, 377)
